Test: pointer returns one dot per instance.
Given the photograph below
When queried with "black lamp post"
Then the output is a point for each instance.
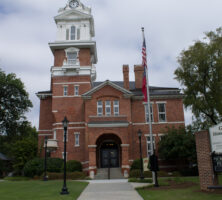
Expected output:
(45, 178)
(65, 125)
(141, 159)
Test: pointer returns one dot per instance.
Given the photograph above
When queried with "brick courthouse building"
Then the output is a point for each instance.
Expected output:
(104, 117)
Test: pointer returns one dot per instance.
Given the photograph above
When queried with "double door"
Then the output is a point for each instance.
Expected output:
(109, 158)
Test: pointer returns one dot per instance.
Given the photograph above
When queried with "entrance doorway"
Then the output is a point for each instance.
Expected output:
(109, 155)
(108, 151)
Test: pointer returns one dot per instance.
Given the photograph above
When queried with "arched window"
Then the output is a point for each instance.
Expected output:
(73, 32)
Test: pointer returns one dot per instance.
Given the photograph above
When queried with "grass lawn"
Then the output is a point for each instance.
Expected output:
(189, 193)
(39, 190)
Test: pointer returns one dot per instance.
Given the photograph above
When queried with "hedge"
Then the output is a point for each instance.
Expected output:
(73, 166)
(69, 176)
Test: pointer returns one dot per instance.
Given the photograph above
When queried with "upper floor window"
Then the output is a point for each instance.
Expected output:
(65, 91)
(76, 90)
(99, 108)
(73, 33)
(116, 107)
(71, 57)
(108, 108)
(162, 112)
(54, 134)
(77, 139)
(147, 112)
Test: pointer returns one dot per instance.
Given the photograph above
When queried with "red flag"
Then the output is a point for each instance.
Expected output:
(144, 63)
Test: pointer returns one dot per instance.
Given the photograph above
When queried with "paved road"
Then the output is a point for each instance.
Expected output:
(110, 190)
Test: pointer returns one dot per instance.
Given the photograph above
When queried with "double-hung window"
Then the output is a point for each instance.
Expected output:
(65, 90)
(108, 108)
(116, 107)
(162, 112)
(76, 90)
(71, 58)
(147, 112)
(54, 134)
(77, 143)
(99, 108)
(149, 144)
(73, 33)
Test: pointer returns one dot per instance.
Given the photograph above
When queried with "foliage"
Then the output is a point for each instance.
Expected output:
(137, 180)
(73, 166)
(14, 101)
(70, 176)
(148, 174)
(178, 145)
(135, 164)
(34, 167)
(54, 164)
(200, 73)
(23, 151)
(39, 190)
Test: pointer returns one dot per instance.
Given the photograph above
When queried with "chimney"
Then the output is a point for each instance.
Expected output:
(138, 70)
(126, 76)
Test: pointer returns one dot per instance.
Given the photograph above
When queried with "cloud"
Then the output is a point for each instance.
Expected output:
(170, 26)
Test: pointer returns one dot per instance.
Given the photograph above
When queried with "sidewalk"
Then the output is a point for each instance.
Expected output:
(110, 190)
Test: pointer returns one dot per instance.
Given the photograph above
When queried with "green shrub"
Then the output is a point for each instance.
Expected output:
(135, 165)
(54, 164)
(34, 167)
(70, 176)
(189, 171)
(73, 166)
(17, 178)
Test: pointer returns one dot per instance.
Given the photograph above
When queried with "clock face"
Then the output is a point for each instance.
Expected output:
(73, 4)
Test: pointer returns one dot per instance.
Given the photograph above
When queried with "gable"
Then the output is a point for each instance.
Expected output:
(72, 14)
(111, 87)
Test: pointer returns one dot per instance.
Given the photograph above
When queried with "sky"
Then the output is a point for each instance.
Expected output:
(26, 28)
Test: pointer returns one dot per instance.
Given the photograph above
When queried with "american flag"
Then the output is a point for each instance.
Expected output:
(144, 63)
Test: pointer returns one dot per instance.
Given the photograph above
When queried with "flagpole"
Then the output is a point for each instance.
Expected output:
(149, 111)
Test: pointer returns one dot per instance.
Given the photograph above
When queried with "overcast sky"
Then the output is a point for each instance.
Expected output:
(26, 27)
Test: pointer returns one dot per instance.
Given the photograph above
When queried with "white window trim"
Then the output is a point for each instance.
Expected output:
(66, 135)
(114, 106)
(77, 134)
(54, 134)
(162, 112)
(65, 86)
(108, 106)
(76, 86)
(66, 155)
(151, 104)
(99, 106)
(71, 50)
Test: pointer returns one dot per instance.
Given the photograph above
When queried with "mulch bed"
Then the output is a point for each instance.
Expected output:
(173, 185)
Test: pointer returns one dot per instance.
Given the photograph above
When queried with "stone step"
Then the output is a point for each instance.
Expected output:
(115, 173)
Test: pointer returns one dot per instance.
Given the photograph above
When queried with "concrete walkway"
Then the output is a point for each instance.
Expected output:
(110, 190)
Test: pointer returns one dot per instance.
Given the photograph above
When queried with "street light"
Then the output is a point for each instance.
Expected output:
(141, 159)
(65, 125)
(45, 178)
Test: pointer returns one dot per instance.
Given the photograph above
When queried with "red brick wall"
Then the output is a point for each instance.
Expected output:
(126, 76)
(138, 70)
(205, 165)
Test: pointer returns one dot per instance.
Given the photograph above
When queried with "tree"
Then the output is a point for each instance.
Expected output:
(14, 102)
(200, 73)
(178, 145)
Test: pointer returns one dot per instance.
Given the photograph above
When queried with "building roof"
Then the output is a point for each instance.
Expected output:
(154, 90)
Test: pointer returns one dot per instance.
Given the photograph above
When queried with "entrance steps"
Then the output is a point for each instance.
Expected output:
(115, 173)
